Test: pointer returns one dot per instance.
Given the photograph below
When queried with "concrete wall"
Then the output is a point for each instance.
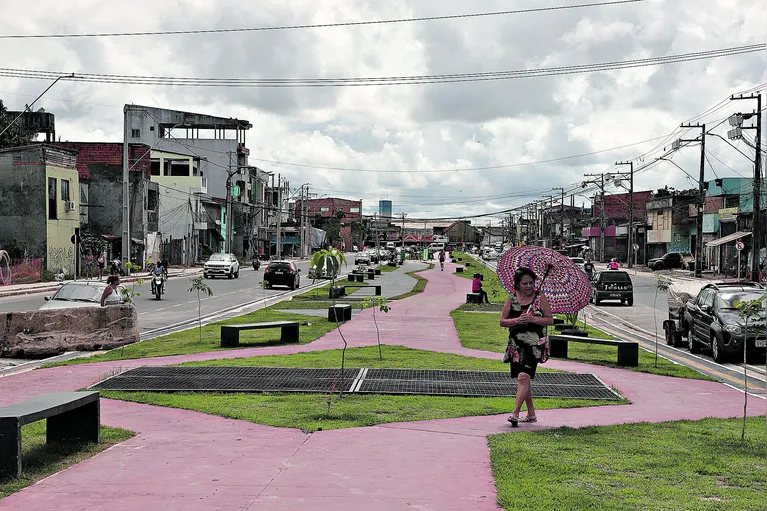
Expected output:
(61, 251)
(22, 201)
(52, 332)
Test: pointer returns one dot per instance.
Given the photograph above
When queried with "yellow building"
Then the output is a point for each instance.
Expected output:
(40, 203)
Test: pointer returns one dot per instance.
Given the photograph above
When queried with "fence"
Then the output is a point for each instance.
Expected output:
(20, 271)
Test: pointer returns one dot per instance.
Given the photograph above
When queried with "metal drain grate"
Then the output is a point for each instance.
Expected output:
(363, 381)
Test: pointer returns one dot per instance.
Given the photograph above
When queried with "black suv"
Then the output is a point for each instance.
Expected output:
(612, 285)
(672, 260)
(712, 321)
(282, 273)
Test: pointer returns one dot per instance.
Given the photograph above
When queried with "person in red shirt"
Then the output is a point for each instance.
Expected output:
(476, 287)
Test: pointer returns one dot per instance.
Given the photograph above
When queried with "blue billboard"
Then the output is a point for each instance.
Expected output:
(384, 208)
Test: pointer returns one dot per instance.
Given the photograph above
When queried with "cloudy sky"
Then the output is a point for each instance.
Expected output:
(435, 149)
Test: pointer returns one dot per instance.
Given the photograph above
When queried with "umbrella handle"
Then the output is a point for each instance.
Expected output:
(538, 291)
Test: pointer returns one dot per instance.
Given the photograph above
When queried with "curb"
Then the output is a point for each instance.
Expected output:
(55, 287)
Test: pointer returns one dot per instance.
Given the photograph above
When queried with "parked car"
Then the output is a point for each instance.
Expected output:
(83, 293)
(282, 273)
(490, 254)
(361, 258)
(671, 260)
(612, 285)
(221, 264)
(712, 321)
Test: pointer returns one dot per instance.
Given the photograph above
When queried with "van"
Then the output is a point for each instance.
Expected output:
(436, 247)
(391, 244)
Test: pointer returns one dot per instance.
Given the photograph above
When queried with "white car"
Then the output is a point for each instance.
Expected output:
(222, 264)
(490, 254)
(579, 262)
(82, 293)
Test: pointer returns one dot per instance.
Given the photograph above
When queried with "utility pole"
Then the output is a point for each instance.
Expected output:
(126, 196)
(701, 192)
(631, 210)
(561, 215)
(601, 185)
(302, 233)
(279, 216)
(228, 218)
(737, 122)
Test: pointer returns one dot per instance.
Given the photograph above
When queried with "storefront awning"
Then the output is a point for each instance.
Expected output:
(728, 238)
(217, 234)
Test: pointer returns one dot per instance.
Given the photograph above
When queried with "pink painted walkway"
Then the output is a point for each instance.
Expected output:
(188, 460)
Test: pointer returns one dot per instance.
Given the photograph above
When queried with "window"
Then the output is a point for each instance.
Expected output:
(324, 209)
(354, 209)
(179, 168)
(155, 167)
(134, 133)
(65, 190)
(52, 202)
(151, 200)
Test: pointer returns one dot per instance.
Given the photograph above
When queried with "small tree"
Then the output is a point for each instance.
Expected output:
(380, 303)
(747, 310)
(331, 259)
(130, 294)
(198, 284)
(661, 284)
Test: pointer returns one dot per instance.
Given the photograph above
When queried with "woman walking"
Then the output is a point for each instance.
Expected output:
(526, 314)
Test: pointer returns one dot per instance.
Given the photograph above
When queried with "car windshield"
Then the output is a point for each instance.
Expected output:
(577, 260)
(615, 276)
(726, 301)
(79, 293)
(218, 257)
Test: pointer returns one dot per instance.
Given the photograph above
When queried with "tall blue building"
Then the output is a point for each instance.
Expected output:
(384, 208)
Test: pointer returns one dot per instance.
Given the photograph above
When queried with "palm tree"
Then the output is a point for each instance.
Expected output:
(198, 284)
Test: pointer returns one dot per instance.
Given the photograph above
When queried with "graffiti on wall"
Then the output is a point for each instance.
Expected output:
(61, 257)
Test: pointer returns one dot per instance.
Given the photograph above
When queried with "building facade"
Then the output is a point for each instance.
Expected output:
(40, 203)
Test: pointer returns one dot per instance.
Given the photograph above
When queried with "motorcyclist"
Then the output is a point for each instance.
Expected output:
(613, 264)
(160, 270)
(589, 268)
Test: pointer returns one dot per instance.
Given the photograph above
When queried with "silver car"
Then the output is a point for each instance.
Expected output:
(84, 293)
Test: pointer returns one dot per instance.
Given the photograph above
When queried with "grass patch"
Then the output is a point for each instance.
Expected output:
(188, 341)
(310, 411)
(483, 332)
(385, 268)
(41, 459)
(419, 285)
(684, 465)
(490, 282)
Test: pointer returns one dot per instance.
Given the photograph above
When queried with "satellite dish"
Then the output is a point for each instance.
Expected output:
(218, 222)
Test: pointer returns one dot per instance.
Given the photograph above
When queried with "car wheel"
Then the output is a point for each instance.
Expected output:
(658, 266)
(230, 275)
(669, 335)
(716, 350)
(237, 274)
(597, 301)
(630, 301)
(205, 276)
(693, 346)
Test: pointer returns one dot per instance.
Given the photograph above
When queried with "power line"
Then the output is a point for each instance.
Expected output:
(382, 81)
(320, 25)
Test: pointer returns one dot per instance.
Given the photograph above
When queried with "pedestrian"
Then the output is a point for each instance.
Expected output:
(111, 294)
(476, 287)
(442, 259)
(101, 262)
(526, 314)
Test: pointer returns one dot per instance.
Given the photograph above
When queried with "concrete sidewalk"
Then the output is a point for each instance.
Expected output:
(52, 287)
(187, 460)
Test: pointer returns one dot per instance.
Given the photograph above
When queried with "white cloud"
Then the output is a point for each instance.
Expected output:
(415, 128)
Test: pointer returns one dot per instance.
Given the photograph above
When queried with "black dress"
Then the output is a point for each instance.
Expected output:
(527, 363)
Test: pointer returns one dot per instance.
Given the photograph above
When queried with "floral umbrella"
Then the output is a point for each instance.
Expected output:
(566, 286)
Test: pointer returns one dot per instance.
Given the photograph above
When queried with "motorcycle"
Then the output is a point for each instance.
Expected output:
(158, 285)
(116, 268)
(256, 263)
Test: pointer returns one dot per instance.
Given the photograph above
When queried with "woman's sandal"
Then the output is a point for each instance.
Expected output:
(514, 421)
(528, 419)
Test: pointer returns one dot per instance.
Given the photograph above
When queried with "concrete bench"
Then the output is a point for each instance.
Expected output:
(71, 416)
(340, 312)
(378, 271)
(230, 334)
(474, 298)
(342, 289)
(355, 277)
(628, 351)
(459, 269)
(467, 264)
(371, 274)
